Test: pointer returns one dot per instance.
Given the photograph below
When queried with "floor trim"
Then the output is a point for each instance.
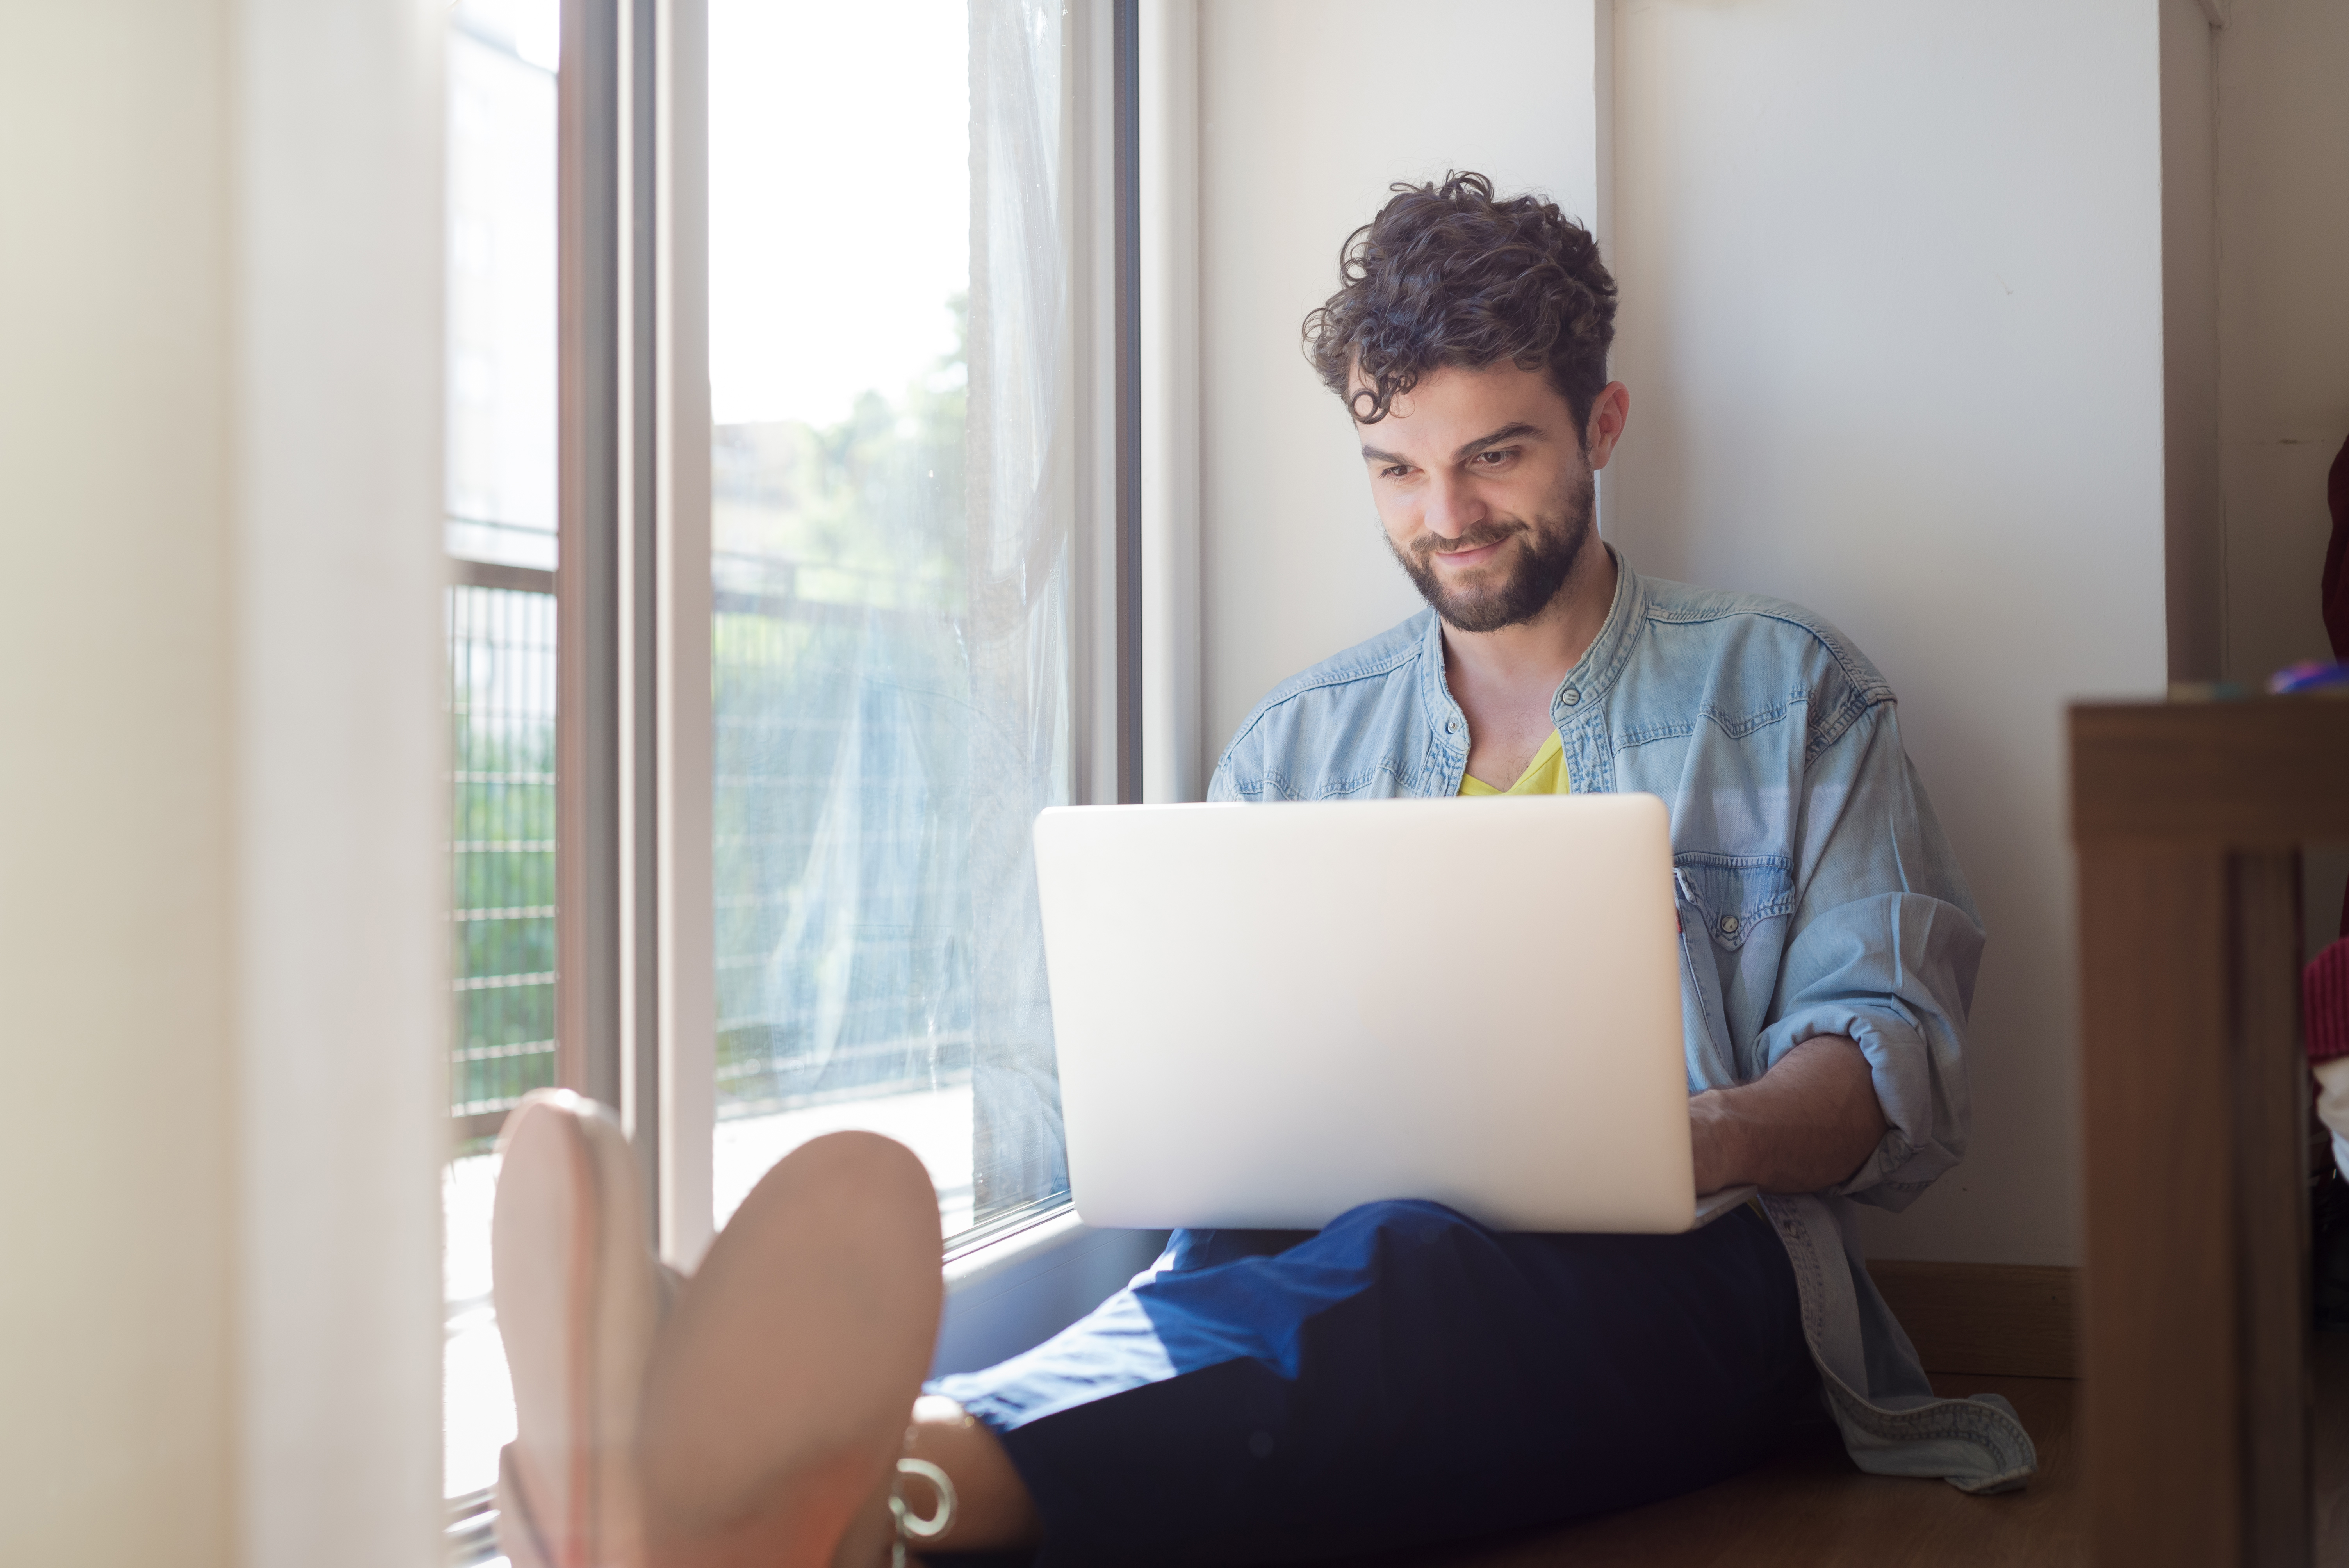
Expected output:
(1999, 1320)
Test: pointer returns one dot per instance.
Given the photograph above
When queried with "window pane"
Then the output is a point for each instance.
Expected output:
(889, 315)
(500, 508)
(500, 459)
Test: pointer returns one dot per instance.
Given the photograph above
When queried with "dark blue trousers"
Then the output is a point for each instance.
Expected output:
(1404, 1376)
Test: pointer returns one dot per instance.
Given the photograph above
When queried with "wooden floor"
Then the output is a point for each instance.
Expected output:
(1813, 1510)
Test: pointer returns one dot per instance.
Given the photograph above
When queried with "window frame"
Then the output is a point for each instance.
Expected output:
(635, 1012)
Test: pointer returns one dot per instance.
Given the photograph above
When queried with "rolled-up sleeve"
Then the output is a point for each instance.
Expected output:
(1884, 948)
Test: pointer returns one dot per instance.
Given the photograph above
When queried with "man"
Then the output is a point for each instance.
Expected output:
(1406, 1375)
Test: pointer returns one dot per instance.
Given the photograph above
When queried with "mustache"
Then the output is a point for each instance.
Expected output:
(1474, 537)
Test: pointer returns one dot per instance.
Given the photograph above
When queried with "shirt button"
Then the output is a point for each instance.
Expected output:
(1453, 724)
(1728, 925)
(1572, 696)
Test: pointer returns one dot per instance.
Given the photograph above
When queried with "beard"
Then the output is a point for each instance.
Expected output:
(1547, 549)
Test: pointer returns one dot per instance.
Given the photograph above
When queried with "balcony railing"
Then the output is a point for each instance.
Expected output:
(502, 684)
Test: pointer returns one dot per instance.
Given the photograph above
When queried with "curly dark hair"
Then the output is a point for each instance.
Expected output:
(1449, 275)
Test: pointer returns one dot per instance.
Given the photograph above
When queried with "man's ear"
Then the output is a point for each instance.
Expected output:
(1609, 413)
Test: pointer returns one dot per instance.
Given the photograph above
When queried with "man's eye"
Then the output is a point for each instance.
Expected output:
(1495, 459)
(1394, 471)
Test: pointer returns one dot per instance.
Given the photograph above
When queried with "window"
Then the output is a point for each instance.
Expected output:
(904, 581)
(500, 536)
(909, 585)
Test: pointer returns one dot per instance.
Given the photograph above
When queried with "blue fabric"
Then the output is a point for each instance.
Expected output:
(1404, 1376)
(1816, 890)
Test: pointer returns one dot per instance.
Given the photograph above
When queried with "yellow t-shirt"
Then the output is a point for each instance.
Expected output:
(1545, 774)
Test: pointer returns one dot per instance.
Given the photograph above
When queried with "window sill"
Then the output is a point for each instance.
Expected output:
(1014, 1292)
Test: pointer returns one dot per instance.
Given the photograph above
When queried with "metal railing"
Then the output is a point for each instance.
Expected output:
(501, 707)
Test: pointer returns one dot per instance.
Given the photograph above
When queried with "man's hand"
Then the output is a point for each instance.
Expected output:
(1805, 1124)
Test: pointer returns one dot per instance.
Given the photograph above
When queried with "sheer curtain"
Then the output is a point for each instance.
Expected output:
(892, 527)
(1020, 574)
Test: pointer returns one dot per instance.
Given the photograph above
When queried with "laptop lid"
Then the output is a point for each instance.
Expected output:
(1268, 1015)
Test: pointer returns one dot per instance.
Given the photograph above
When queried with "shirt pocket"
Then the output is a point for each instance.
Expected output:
(1705, 1024)
(1733, 912)
(1738, 895)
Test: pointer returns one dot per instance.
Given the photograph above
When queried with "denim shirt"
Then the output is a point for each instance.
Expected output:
(1816, 896)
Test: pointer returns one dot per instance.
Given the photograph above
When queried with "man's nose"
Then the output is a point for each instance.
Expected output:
(1452, 506)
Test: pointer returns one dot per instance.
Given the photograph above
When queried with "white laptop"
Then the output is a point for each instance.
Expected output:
(1267, 1014)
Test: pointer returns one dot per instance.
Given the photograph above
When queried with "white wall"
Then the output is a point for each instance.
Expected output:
(2281, 204)
(220, 835)
(2256, 217)
(1892, 327)
(2282, 113)
(2195, 556)
(1309, 109)
(117, 1176)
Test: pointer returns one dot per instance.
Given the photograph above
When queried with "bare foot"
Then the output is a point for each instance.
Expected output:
(776, 1402)
(578, 1300)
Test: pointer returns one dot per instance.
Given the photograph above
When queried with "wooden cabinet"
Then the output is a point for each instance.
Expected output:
(2197, 1420)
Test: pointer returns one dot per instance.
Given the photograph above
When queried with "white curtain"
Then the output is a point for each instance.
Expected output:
(891, 651)
(1019, 581)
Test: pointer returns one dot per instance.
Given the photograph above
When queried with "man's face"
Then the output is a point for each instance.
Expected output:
(1482, 482)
